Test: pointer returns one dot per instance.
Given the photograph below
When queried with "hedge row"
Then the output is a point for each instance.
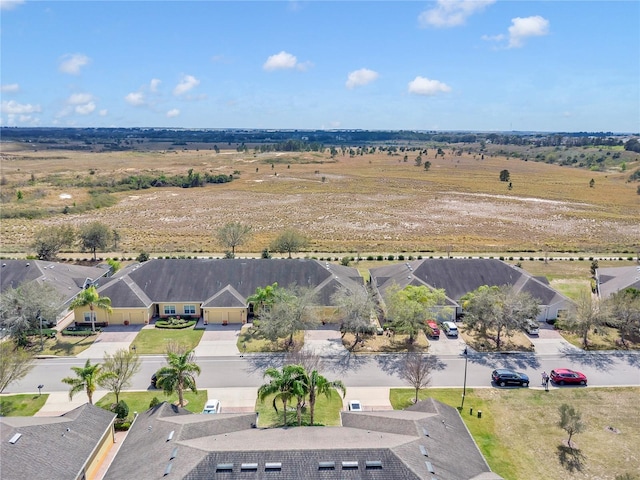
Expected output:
(167, 324)
(79, 333)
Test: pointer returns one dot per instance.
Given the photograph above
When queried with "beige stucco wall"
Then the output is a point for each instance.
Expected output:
(103, 447)
(135, 316)
(179, 309)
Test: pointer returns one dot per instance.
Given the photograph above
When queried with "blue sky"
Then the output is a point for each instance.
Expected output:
(422, 65)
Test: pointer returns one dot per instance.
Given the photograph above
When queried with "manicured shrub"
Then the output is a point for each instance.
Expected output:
(121, 409)
(154, 402)
(122, 426)
(390, 257)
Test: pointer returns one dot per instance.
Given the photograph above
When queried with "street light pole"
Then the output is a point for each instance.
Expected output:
(39, 317)
(464, 385)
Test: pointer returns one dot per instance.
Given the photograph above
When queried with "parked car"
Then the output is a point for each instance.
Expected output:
(532, 327)
(154, 380)
(355, 406)
(562, 376)
(432, 329)
(504, 377)
(450, 329)
(212, 406)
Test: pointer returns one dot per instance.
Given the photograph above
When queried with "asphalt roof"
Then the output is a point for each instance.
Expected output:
(614, 279)
(51, 447)
(66, 278)
(385, 445)
(222, 282)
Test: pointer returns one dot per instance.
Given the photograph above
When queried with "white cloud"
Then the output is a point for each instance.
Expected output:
(187, 83)
(80, 98)
(280, 61)
(154, 84)
(12, 107)
(135, 98)
(174, 112)
(361, 77)
(426, 86)
(10, 88)
(10, 4)
(71, 63)
(522, 28)
(103, 113)
(452, 13)
(85, 109)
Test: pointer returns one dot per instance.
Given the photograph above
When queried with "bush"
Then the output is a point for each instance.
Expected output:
(175, 323)
(390, 257)
(122, 426)
(154, 402)
(79, 332)
(380, 258)
(46, 332)
(121, 409)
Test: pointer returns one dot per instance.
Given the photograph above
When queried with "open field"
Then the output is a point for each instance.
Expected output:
(372, 203)
(612, 417)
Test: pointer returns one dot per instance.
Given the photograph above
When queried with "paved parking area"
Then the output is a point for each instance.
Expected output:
(110, 340)
(446, 345)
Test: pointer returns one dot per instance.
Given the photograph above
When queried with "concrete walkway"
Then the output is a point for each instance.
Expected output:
(325, 341)
(219, 341)
(116, 337)
(59, 403)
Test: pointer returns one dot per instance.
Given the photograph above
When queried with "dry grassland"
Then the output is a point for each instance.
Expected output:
(368, 204)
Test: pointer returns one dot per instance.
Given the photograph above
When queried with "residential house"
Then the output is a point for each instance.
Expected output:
(425, 441)
(614, 279)
(71, 446)
(460, 276)
(215, 290)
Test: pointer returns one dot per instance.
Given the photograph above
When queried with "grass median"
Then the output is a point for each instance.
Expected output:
(519, 436)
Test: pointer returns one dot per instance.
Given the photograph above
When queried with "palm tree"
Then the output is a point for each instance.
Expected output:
(285, 384)
(178, 375)
(319, 385)
(87, 378)
(89, 297)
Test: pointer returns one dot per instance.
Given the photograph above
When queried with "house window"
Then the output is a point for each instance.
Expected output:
(189, 309)
(87, 316)
(169, 309)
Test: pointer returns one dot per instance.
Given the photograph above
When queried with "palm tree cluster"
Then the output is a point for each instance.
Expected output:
(294, 383)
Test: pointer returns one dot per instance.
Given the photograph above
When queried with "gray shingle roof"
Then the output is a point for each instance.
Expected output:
(51, 447)
(221, 282)
(67, 279)
(384, 445)
(614, 279)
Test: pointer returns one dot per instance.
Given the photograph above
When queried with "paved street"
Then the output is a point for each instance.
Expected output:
(233, 378)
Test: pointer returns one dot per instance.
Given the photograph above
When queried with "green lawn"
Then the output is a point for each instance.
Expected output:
(23, 405)
(327, 412)
(519, 427)
(155, 340)
(62, 345)
(139, 401)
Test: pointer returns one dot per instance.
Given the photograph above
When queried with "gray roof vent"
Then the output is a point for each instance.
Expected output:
(373, 464)
(326, 465)
(167, 470)
(15, 438)
(350, 465)
(423, 450)
(174, 454)
(224, 467)
(429, 467)
(249, 467)
(426, 432)
(272, 466)
(170, 437)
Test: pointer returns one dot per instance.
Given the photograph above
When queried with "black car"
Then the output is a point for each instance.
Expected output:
(154, 379)
(504, 377)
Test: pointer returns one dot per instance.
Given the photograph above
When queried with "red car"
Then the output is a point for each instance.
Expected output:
(564, 376)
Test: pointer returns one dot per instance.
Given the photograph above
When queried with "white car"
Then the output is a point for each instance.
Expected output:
(212, 406)
(532, 327)
(450, 329)
(355, 406)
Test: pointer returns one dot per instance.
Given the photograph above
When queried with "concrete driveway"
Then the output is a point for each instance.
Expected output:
(446, 345)
(110, 340)
(550, 342)
(219, 341)
(372, 398)
(235, 400)
(324, 341)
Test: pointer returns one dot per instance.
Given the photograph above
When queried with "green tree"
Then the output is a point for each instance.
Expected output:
(355, 308)
(15, 364)
(178, 375)
(290, 241)
(318, 385)
(498, 311)
(49, 241)
(284, 384)
(89, 297)
(232, 235)
(87, 378)
(427, 166)
(416, 370)
(570, 421)
(263, 298)
(290, 312)
(418, 160)
(22, 308)
(587, 315)
(408, 308)
(624, 310)
(95, 236)
(505, 176)
(119, 367)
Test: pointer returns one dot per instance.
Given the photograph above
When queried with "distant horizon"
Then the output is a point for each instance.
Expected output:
(376, 65)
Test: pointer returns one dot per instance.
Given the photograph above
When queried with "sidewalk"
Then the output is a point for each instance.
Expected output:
(58, 402)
